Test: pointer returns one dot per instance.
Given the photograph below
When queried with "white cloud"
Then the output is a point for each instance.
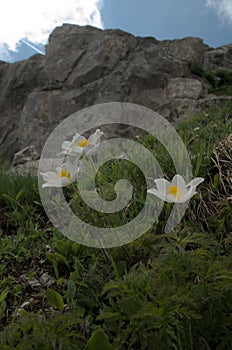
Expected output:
(223, 8)
(35, 20)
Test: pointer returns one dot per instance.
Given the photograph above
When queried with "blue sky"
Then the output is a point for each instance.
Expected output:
(169, 19)
(163, 19)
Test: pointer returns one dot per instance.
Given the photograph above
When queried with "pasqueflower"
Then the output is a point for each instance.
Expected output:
(176, 191)
(80, 144)
(63, 176)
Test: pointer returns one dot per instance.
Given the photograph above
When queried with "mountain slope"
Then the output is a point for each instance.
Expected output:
(84, 66)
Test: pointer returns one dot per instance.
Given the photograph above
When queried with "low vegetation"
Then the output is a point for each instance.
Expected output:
(220, 80)
(162, 291)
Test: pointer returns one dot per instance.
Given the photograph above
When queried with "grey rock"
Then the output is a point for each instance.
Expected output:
(32, 282)
(29, 168)
(220, 58)
(46, 280)
(84, 66)
(26, 155)
(182, 88)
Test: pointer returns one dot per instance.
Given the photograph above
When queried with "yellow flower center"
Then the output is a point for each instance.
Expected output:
(83, 143)
(64, 173)
(174, 190)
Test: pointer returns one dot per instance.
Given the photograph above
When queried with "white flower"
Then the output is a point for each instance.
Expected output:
(63, 176)
(176, 191)
(80, 144)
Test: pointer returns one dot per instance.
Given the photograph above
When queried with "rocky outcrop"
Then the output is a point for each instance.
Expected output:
(219, 58)
(84, 66)
(25, 155)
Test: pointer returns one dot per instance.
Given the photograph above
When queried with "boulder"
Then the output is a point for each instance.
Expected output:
(84, 66)
(25, 155)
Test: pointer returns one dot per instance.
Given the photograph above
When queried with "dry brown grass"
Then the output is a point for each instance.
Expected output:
(215, 195)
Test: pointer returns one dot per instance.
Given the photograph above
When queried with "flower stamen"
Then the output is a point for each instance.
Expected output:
(83, 143)
(64, 173)
(174, 190)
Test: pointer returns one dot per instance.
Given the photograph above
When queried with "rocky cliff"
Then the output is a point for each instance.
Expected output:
(85, 66)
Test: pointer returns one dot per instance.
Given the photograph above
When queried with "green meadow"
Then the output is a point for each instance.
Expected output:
(161, 291)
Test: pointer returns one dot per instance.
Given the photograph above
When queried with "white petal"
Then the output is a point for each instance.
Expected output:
(74, 163)
(63, 152)
(68, 165)
(170, 198)
(122, 156)
(162, 185)
(187, 196)
(51, 184)
(156, 193)
(178, 181)
(195, 182)
(66, 145)
(65, 181)
(76, 137)
(77, 150)
(74, 175)
(73, 153)
(50, 175)
(95, 138)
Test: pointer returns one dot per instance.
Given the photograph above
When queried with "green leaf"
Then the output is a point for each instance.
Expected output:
(19, 195)
(2, 308)
(80, 310)
(56, 259)
(71, 290)
(216, 181)
(3, 295)
(107, 315)
(200, 159)
(111, 286)
(98, 340)
(55, 299)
